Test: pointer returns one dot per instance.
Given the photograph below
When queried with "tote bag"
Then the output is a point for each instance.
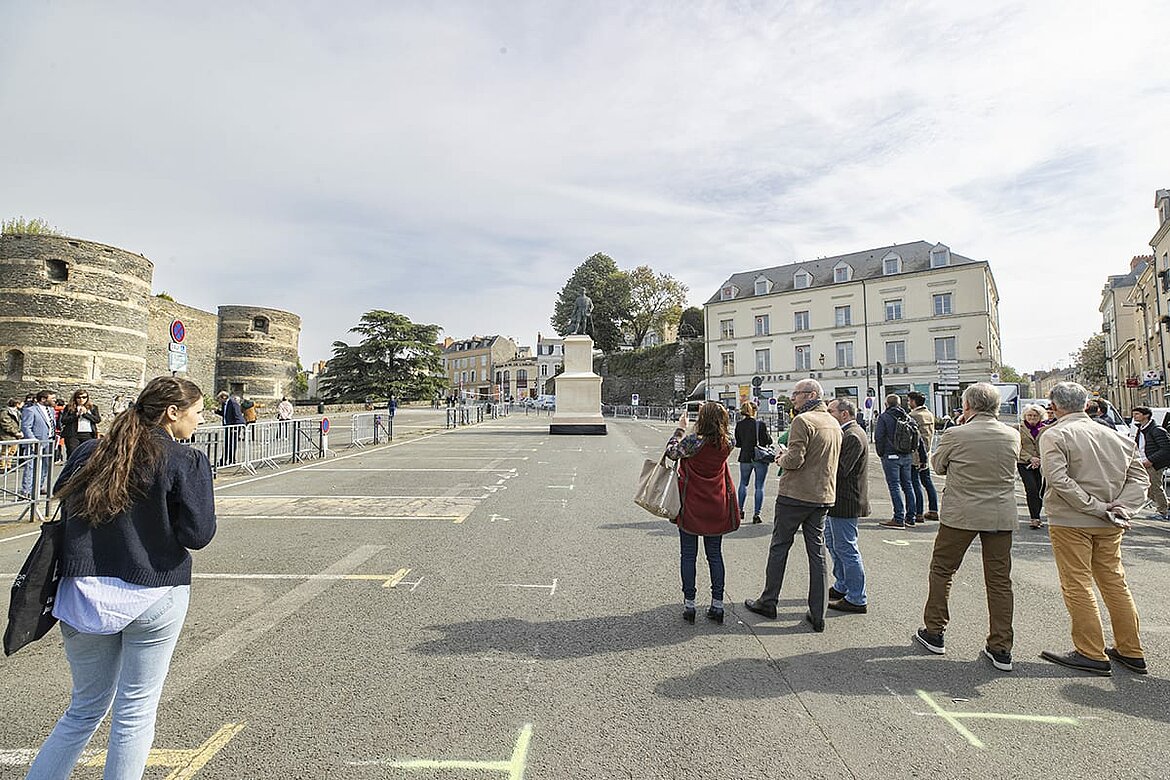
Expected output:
(658, 489)
(30, 613)
(763, 454)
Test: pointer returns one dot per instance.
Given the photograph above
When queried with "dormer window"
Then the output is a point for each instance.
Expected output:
(802, 280)
(940, 256)
(891, 264)
(843, 272)
(763, 286)
(728, 292)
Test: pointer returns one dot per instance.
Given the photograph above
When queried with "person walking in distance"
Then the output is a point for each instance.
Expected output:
(920, 477)
(709, 508)
(896, 438)
(134, 503)
(978, 459)
(1154, 443)
(750, 433)
(805, 491)
(1028, 466)
(847, 594)
(1096, 480)
(79, 421)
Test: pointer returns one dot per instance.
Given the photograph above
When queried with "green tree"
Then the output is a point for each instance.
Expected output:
(300, 384)
(1091, 363)
(27, 227)
(1009, 375)
(395, 357)
(609, 288)
(655, 300)
(690, 325)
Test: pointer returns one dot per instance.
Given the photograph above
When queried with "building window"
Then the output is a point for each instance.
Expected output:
(940, 257)
(522, 379)
(891, 264)
(762, 286)
(844, 354)
(942, 304)
(260, 324)
(728, 360)
(544, 369)
(14, 365)
(57, 270)
(237, 388)
(800, 320)
(482, 362)
(944, 348)
(802, 280)
(763, 361)
(804, 357)
(843, 315)
(842, 273)
(727, 293)
(763, 328)
(727, 329)
(895, 352)
(894, 309)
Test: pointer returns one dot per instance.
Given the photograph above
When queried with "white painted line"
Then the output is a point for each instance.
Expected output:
(368, 497)
(551, 588)
(381, 470)
(19, 536)
(448, 518)
(560, 487)
(387, 580)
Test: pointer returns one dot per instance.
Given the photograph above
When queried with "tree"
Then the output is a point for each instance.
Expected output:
(1091, 363)
(690, 324)
(655, 300)
(27, 227)
(395, 357)
(1009, 375)
(609, 288)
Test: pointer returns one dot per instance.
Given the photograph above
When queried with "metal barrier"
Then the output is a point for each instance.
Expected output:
(468, 415)
(658, 413)
(371, 428)
(257, 445)
(27, 464)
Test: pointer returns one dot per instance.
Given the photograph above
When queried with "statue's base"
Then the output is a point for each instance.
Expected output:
(578, 392)
(577, 429)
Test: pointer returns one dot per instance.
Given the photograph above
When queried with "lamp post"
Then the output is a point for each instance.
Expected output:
(706, 381)
(821, 359)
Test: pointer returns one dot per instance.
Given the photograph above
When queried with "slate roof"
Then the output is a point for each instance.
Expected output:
(468, 344)
(1129, 279)
(866, 265)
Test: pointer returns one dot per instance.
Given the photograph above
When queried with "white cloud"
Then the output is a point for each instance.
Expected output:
(457, 163)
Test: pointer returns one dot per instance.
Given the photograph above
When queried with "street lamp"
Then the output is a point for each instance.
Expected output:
(822, 359)
(979, 348)
(706, 381)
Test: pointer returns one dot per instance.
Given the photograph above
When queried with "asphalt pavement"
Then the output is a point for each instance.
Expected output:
(489, 602)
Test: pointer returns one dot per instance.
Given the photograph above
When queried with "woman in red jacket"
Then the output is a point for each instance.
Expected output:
(709, 505)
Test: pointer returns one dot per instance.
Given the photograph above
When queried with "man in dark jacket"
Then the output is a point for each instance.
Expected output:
(229, 409)
(847, 593)
(896, 465)
(1155, 443)
(1096, 412)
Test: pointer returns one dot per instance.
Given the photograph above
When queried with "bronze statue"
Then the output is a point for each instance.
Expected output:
(581, 323)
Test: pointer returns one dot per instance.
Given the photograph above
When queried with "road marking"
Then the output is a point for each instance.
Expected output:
(496, 517)
(560, 487)
(184, 763)
(367, 497)
(514, 767)
(444, 518)
(551, 588)
(387, 580)
(19, 536)
(953, 718)
(381, 470)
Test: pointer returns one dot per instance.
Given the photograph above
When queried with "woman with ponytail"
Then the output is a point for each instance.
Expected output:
(134, 502)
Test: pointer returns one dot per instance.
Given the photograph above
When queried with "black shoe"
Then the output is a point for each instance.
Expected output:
(689, 614)
(1136, 665)
(845, 605)
(1001, 661)
(716, 614)
(754, 605)
(817, 625)
(755, 520)
(741, 514)
(835, 594)
(1074, 660)
(931, 641)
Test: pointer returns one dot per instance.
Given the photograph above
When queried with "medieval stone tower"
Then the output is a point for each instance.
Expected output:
(258, 351)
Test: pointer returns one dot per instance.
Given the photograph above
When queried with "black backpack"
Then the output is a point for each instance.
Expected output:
(905, 436)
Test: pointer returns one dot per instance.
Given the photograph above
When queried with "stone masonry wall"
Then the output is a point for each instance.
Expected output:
(264, 364)
(202, 341)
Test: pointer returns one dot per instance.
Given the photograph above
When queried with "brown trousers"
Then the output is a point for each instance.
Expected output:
(1084, 556)
(949, 548)
(1157, 490)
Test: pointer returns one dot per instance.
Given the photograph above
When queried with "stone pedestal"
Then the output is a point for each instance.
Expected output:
(578, 392)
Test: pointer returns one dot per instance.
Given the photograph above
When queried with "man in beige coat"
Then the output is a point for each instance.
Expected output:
(1096, 481)
(806, 490)
(979, 500)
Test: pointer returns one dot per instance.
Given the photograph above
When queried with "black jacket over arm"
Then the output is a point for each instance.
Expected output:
(1156, 443)
(748, 433)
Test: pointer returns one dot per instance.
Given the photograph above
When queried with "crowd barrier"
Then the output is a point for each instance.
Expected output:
(26, 464)
(371, 428)
(262, 444)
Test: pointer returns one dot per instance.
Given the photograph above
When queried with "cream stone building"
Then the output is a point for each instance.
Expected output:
(928, 316)
(470, 365)
(1121, 322)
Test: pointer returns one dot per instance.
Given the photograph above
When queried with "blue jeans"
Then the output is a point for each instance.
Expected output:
(127, 669)
(899, 481)
(745, 472)
(713, 547)
(26, 477)
(848, 571)
(921, 479)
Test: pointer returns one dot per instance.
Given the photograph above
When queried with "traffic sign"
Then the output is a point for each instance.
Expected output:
(772, 401)
(180, 348)
(178, 331)
(757, 381)
(324, 425)
(176, 361)
(634, 399)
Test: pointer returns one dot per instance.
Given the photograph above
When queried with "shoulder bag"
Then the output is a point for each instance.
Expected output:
(763, 454)
(30, 613)
(658, 489)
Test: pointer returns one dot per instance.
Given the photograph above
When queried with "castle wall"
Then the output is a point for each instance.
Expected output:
(258, 351)
(202, 341)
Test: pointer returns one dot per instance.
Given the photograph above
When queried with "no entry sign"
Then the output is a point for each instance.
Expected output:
(178, 331)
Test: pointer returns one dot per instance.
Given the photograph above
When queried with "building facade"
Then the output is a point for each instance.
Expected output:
(1121, 322)
(550, 360)
(470, 365)
(927, 316)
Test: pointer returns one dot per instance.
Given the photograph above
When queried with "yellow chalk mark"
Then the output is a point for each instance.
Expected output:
(185, 763)
(513, 767)
(953, 718)
(397, 578)
(949, 718)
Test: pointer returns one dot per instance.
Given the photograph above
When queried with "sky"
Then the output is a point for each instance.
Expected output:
(455, 161)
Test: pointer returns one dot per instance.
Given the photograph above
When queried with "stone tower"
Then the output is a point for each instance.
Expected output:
(73, 314)
(258, 351)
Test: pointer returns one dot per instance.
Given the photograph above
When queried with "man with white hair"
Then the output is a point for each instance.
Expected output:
(806, 490)
(979, 459)
(1096, 481)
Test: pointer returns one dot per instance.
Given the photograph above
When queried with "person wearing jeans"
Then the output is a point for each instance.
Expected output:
(750, 433)
(847, 594)
(896, 466)
(925, 495)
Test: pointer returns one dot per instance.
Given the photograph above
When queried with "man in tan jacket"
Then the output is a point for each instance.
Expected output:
(979, 500)
(1096, 481)
(806, 490)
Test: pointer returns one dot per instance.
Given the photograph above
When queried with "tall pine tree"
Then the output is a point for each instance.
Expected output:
(396, 357)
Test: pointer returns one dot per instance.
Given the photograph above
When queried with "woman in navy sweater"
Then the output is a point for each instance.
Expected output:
(135, 502)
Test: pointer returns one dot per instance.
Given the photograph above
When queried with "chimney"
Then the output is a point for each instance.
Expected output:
(1138, 260)
(1162, 204)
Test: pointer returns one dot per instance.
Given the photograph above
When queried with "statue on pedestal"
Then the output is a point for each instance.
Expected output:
(581, 323)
